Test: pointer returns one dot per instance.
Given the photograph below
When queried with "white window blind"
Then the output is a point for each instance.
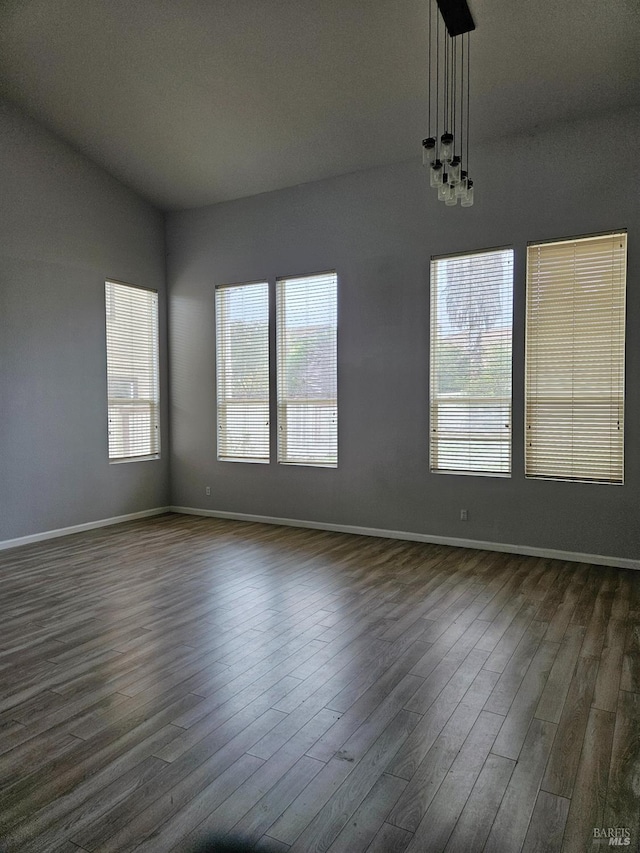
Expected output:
(574, 392)
(470, 388)
(242, 372)
(306, 333)
(132, 372)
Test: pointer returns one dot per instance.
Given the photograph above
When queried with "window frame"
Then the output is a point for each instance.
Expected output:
(330, 461)
(436, 292)
(591, 396)
(221, 368)
(151, 401)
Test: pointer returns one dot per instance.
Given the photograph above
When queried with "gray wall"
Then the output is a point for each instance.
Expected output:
(65, 226)
(378, 229)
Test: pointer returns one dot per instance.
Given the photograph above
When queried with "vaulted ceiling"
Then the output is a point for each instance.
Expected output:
(192, 102)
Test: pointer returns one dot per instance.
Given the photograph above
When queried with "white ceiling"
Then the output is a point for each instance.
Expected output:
(191, 102)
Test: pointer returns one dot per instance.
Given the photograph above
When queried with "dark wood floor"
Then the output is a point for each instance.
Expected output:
(313, 691)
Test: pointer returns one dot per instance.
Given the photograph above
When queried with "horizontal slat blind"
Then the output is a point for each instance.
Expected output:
(470, 388)
(242, 372)
(132, 371)
(575, 359)
(306, 333)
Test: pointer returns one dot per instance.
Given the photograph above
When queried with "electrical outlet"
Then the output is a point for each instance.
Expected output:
(463, 515)
(207, 491)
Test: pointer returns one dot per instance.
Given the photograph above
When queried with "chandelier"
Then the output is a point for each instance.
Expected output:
(446, 149)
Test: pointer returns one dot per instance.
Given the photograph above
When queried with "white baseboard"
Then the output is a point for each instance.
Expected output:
(78, 528)
(526, 550)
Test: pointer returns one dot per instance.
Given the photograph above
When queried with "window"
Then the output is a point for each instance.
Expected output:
(305, 336)
(132, 372)
(574, 391)
(470, 388)
(242, 356)
(306, 332)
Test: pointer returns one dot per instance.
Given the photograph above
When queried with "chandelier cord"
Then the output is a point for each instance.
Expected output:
(446, 83)
(468, 61)
(455, 69)
(437, 73)
(429, 71)
(462, 126)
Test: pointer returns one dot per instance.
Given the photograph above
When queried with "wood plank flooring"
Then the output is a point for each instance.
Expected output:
(305, 691)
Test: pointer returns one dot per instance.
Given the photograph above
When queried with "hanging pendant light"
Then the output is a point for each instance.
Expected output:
(447, 152)
(436, 174)
(446, 147)
(461, 186)
(429, 151)
(466, 200)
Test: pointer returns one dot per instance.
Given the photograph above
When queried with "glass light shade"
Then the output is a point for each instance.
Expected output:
(451, 197)
(454, 170)
(443, 189)
(436, 174)
(467, 199)
(461, 186)
(428, 151)
(446, 147)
